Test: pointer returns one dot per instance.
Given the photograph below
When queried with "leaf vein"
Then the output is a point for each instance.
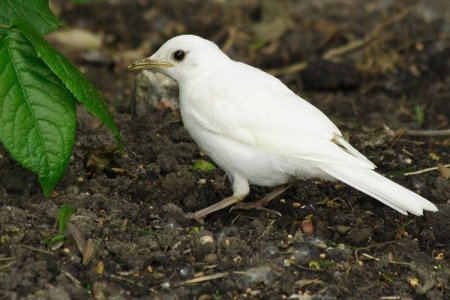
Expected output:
(26, 97)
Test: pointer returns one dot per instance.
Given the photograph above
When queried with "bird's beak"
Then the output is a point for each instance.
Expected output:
(148, 64)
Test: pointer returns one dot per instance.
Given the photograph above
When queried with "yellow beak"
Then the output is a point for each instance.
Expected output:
(147, 63)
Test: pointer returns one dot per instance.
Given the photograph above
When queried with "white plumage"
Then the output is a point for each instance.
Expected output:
(259, 132)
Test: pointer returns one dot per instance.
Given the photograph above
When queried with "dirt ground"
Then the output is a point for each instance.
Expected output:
(380, 71)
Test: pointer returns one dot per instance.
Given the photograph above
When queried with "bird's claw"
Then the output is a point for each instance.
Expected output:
(194, 216)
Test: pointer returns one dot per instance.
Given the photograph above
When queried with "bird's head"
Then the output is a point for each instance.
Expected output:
(183, 57)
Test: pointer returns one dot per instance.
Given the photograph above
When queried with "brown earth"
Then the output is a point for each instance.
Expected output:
(132, 212)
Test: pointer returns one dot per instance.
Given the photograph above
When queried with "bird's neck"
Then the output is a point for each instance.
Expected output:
(196, 80)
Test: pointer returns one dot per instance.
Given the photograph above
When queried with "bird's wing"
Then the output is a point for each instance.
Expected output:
(255, 108)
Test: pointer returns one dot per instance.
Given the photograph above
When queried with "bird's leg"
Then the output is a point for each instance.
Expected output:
(240, 188)
(259, 204)
(202, 213)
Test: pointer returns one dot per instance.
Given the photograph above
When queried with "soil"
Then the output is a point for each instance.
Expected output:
(331, 242)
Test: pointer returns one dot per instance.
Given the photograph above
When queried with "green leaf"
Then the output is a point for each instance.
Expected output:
(314, 264)
(37, 113)
(202, 165)
(58, 238)
(72, 78)
(420, 114)
(36, 12)
(65, 212)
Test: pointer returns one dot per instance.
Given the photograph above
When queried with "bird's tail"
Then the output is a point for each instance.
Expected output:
(381, 188)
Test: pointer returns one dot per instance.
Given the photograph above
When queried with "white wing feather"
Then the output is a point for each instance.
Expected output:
(273, 119)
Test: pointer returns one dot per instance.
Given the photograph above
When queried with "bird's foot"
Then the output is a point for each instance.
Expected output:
(200, 215)
(194, 216)
(261, 203)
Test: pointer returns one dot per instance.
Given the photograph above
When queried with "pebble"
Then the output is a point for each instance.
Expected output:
(307, 227)
(211, 258)
(206, 239)
(342, 229)
(340, 247)
(185, 271)
(154, 91)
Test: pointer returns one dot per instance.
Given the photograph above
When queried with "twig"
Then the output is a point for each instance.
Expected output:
(353, 45)
(355, 112)
(372, 246)
(294, 68)
(370, 257)
(205, 278)
(425, 170)
(340, 50)
(171, 121)
(38, 250)
(232, 33)
(7, 258)
(125, 280)
(71, 277)
(418, 143)
(310, 269)
(401, 263)
(7, 265)
(444, 132)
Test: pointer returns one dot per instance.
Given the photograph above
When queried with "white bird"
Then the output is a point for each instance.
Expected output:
(260, 132)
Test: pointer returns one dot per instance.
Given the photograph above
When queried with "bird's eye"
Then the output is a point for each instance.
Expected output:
(179, 55)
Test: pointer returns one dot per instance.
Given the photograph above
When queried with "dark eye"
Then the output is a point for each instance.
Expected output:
(179, 55)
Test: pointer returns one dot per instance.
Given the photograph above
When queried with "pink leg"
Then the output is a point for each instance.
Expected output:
(263, 201)
(202, 213)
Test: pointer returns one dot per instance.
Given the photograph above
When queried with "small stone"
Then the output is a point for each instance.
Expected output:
(340, 247)
(100, 268)
(155, 91)
(342, 229)
(206, 239)
(237, 259)
(288, 262)
(413, 282)
(307, 227)
(211, 258)
(185, 271)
